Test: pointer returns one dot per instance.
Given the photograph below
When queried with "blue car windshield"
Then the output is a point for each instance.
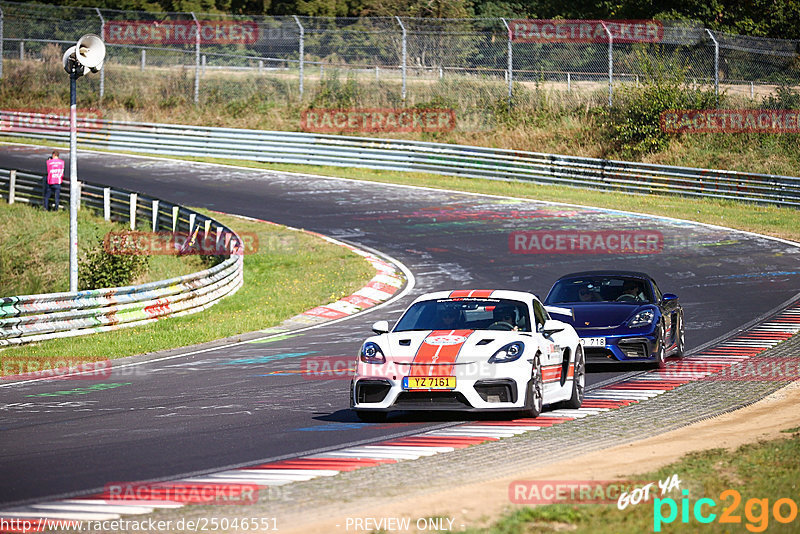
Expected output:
(601, 289)
(466, 313)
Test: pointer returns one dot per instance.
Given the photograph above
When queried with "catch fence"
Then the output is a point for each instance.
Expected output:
(416, 61)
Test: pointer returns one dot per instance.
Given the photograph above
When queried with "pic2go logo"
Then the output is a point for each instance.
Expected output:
(756, 511)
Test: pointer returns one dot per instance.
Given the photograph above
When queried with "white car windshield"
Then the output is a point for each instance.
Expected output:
(466, 313)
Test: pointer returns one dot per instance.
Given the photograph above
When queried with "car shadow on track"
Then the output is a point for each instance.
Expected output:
(349, 416)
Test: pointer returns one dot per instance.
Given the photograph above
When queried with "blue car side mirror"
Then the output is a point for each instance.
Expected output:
(668, 297)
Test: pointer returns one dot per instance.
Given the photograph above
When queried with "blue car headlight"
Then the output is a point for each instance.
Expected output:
(371, 353)
(508, 353)
(643, 318)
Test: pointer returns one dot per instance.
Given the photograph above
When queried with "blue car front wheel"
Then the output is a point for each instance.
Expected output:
(661, 349)
(679, 351)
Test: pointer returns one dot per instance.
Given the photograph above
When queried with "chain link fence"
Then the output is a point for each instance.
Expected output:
(464, 64)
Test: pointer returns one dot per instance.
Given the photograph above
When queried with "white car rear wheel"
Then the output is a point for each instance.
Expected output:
(578, 381)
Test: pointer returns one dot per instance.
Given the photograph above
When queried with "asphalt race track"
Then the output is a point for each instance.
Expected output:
(242, 404)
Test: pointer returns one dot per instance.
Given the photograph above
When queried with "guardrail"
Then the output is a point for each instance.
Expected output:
(31, 318)
(404, 155)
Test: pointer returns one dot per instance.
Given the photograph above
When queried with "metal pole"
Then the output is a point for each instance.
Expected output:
(302, 51)
(144, 58)
(716, 64)
(12, 186)
(196, 61)
(73, 179)
(405, 58)
(510, 68)
(1, 42)
(107, 203)
(103, 68)
(610, 65)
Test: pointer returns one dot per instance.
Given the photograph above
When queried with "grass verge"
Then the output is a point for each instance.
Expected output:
(34, 250)
(545, 117)
(291, 272)
(761, 474)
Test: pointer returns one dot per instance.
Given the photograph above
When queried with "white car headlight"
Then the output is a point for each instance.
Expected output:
(508, 353)
(643, 318)
(371, 353)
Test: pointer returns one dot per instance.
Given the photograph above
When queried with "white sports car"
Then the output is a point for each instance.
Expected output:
(472, 350)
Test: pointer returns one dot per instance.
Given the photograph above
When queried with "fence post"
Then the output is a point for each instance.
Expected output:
(102, 67)
(22, 50)
(301, 47)
(144, 58)
(405, 58)
(569, 82)
(510, 68)
(716, 65)
(218, 236)
(203, 63)
(196, 61)
(175, 217)
(134, 200)
(107, 203)
(192, 218)
(155, 215)
(1, 42)
(12, 184)
(610, 64)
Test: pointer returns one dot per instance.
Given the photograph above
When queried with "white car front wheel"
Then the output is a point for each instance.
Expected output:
(534, 394)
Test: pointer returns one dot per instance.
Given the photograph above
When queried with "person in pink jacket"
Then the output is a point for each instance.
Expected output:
(55, 175)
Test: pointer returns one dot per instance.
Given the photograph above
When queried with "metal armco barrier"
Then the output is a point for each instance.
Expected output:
(417, 156)
(30, 318)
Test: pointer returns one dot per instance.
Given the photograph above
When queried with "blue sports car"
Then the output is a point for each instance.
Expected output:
(619, 315)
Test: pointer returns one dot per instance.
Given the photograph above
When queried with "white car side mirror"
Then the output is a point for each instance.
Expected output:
(551, 327)
(380, 327)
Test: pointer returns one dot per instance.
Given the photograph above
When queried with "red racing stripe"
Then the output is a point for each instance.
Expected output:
(551, 373)
(438, 352)
(479, 293)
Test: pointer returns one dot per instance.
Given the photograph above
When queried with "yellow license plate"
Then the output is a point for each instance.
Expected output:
(429, 382)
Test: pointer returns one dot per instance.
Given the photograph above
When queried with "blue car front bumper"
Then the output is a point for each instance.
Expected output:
(633, 347)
